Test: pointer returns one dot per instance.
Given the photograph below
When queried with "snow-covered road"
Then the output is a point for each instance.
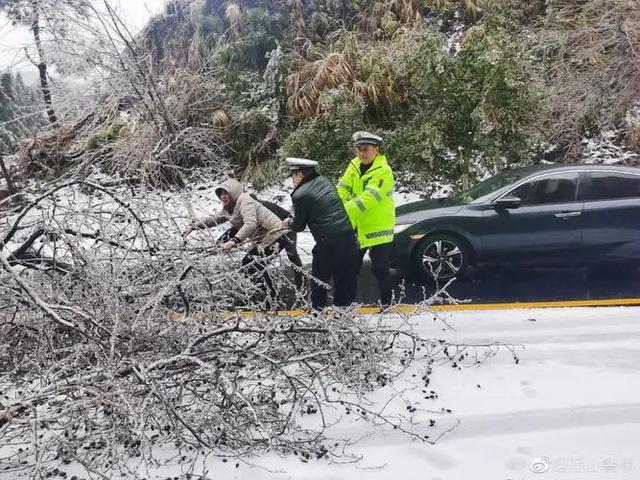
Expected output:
(569, 409)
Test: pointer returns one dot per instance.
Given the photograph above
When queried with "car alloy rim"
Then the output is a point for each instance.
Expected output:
(442, 258)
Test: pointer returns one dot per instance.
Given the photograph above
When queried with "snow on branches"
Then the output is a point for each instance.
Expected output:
(119, 345)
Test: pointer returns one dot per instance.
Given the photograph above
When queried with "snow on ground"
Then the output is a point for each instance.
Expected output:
(570, 408)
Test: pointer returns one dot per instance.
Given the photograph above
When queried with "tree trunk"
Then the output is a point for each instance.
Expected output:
(42, 65)
(10, 186)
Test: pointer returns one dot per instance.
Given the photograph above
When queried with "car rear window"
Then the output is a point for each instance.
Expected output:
(612, 186)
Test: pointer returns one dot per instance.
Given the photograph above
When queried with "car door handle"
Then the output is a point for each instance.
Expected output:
(567, 214)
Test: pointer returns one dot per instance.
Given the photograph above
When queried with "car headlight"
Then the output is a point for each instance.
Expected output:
(400, 228)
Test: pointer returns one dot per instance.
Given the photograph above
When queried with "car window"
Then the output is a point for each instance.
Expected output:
(611, 186)
(558, 188)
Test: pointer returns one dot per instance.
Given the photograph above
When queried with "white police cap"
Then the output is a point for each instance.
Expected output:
(299, 163)
(366, 138)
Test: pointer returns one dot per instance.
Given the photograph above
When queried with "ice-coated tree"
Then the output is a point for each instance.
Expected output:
(20, 111)
(48, 21)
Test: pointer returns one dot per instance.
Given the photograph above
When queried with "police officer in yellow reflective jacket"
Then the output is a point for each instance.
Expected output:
(366, 189)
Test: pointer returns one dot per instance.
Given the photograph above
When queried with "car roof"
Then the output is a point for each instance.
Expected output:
(532, 169)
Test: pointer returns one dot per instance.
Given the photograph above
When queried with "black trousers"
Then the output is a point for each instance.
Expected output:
(335, 258)
(288, 243)
(291, 247)
(380, 266)
(255, 263)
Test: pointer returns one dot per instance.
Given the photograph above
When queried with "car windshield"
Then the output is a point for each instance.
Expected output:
(486, 187)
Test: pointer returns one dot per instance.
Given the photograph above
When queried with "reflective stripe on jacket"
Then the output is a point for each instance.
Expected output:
(369, 202)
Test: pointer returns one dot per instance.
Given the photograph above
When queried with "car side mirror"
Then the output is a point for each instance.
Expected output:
(507, 202)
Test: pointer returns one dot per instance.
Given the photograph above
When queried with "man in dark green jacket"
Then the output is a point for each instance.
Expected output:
(316, 204)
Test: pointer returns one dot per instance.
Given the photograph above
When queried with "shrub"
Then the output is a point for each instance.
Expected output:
(327, 136)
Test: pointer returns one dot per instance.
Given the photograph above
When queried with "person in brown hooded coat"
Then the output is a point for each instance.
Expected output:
(253, 222)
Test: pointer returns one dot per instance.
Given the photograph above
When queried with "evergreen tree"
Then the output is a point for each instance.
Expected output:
(20, 112)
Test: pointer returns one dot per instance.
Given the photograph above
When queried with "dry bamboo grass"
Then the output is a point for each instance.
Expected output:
(593, 70)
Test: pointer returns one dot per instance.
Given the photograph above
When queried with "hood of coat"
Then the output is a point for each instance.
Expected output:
(232, 187)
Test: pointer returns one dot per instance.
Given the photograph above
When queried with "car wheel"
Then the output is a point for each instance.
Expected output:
(441, 257)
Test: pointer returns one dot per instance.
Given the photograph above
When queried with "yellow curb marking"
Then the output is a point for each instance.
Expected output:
(410, 309)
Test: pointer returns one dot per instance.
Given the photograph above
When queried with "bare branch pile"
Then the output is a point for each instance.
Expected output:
(118, 344)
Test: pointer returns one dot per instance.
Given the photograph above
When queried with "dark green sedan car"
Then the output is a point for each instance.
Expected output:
(534, 216)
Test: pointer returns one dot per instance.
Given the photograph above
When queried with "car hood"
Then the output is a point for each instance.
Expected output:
(417, 211)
